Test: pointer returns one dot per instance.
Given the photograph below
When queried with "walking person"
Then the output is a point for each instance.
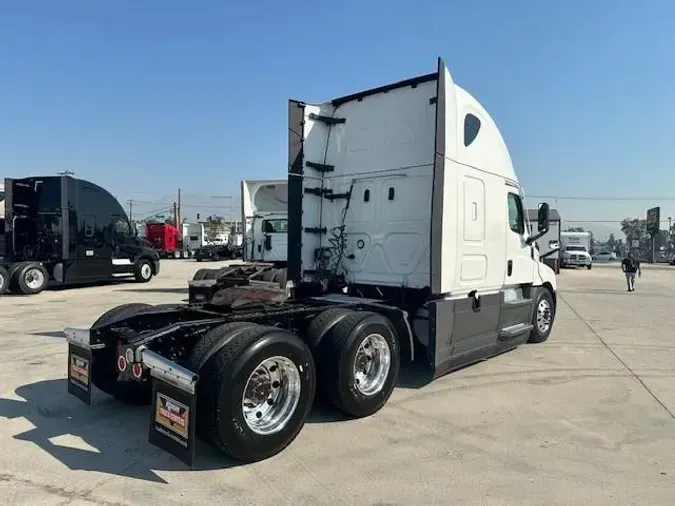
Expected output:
(630, 266)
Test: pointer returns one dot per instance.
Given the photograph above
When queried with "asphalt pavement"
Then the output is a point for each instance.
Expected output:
(586, 418)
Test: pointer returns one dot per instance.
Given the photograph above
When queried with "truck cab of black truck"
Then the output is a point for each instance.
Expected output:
(62, 231)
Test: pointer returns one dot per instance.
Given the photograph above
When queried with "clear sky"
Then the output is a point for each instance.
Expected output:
(145, 97)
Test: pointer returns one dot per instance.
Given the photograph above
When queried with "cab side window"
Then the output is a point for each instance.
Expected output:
(121, 227)
(275, 226)
(516, 216)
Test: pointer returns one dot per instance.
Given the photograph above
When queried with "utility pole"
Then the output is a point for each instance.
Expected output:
(131, 209)
(179, 216)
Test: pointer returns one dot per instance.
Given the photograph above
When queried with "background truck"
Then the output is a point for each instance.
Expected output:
(165, 238)
(407, 240)
(575, 249)
(61, 231)
(194, 236)
(265, 218)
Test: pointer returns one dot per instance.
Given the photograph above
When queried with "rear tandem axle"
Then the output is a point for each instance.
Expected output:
(246, 381)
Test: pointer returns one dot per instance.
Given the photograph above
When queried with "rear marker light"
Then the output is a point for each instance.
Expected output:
(130, 355)
(137, 370)
(121, 363)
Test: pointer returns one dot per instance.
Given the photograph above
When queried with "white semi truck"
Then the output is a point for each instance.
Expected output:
(407, 241)
(265, 218)
(575, 249)
(194, 236)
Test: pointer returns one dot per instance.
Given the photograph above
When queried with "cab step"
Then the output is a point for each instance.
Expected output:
(513, 331)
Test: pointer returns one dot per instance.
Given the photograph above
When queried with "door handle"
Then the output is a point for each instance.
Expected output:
(509, 267)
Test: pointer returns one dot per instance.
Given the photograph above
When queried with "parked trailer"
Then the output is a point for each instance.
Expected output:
(375, 278)
(62, 231)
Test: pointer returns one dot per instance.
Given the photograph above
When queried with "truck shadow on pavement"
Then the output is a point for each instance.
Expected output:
(112, 438)
(108, 437)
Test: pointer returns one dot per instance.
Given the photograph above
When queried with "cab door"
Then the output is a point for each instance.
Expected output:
(519, 260)
(93, 252)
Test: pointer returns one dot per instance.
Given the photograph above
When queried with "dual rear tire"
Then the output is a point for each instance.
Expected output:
(27, 278)
(256, 388)
(358, 354)
(258, 383)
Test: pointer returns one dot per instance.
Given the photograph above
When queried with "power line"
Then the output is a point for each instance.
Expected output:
(567, 197)
(209, 205)
(607, 221)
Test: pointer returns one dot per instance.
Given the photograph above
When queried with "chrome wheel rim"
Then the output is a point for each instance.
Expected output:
(372, 364)
(34, 279)
(2, 280)
(145, 271)
(543, 316)
(271, 395)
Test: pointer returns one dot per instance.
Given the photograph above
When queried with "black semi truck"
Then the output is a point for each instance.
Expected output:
(63, 231)
(407, 241)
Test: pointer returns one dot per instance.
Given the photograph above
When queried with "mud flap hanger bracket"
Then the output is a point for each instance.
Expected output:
(166, 370)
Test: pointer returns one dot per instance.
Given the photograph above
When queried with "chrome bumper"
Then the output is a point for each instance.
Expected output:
(159, 367)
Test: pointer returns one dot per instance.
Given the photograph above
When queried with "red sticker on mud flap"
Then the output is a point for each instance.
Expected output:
(172, 414)
(79, 371)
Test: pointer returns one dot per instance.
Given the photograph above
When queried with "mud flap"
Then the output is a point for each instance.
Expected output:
(79, 373)
(172, 426)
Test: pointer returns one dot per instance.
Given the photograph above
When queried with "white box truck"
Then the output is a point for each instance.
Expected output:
(265, 220)
(575, 249)
(407, 241)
